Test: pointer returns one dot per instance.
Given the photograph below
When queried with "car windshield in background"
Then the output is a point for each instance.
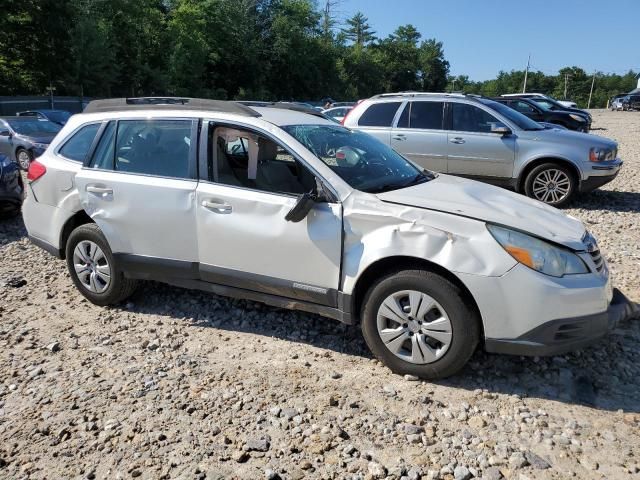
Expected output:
(31, 125)
(359, 159)
(59, 116)
(519, 119)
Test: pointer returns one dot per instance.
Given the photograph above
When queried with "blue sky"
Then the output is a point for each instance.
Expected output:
(482, 37)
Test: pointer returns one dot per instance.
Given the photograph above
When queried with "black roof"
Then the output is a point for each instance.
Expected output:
(168, 103)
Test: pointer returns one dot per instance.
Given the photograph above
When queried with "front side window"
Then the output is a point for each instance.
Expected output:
(153, 147)
(469, 118)
(379, 115)
(523, 107)
(426, 115)
(244, 158)
(363, 162)
(78, 146)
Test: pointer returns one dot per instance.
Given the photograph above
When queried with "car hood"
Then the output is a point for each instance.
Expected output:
(564, 136)
(487, 203)
(39, 137)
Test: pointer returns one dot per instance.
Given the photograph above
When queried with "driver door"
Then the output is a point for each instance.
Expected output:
(244, 240)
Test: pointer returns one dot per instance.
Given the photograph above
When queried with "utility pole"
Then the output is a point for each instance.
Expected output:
(51, 89)
(566, 78)
(593, 80)
(453, 87)
(526, 74)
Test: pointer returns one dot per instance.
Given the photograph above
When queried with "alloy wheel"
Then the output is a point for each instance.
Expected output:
(551, 186)
(91, 266)
(414, 327)
(24, 159)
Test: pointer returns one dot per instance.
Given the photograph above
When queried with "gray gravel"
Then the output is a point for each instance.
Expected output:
(182, 384)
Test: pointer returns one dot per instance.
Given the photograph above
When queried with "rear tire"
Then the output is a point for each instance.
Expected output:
(93, 269)
(437, 330)
(24, 158)
(551, 183)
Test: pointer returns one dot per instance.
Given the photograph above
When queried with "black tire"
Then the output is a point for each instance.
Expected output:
(465, 322)
(119, 287)
(24, 165)
(550, 168)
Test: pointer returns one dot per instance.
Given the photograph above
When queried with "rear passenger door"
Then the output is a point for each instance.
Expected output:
(420, 135)
(378, 119)
(473, 150)
(139, 186)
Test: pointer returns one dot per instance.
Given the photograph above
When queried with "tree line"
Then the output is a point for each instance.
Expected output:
(573, 81)
(229, 49)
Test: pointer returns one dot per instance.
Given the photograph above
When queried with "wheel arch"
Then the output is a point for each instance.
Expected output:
(539, 161)
(387, 265)
(79, 218)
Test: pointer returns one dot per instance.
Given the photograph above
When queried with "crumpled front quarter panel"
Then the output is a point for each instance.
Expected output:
(376, 230)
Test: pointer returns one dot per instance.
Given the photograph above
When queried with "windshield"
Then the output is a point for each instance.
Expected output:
(58, 116)
(547, 104)
(31, 126)
(359, 159)
(512, 115)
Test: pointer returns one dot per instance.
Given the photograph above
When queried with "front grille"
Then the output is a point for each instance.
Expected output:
(597, 260)
(591, 246)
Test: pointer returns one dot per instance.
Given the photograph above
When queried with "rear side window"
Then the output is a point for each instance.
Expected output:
(379, 115)
(147, 147)
(426, 115)
(78, 146)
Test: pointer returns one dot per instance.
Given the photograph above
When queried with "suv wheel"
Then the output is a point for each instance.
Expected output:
(419, 323)
(551, 183)
(24, 158)
(93, 268)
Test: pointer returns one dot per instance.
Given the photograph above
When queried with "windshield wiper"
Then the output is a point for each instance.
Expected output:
(416, 180)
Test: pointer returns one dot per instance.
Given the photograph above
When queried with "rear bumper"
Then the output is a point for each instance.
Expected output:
(563, 335)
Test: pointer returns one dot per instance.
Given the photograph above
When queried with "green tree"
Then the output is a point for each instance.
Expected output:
(434, 68)
(359, 31)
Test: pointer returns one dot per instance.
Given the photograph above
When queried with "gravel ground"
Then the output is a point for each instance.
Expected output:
(182, 384)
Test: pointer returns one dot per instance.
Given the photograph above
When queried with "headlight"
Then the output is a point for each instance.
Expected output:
(538, 254)
(43, 146)
(577, 118)
(602, 154)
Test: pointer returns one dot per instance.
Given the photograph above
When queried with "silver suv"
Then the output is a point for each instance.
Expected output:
(481, 139)
(296, 211)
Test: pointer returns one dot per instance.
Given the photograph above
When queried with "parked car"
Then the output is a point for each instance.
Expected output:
(631, 102)
(564, 103)
(25, 138)
(11, 187)
(337, 113)
(555, 106)
(56, 116)
(535, 111)
(482, 139)
(316, 217)
(616, 103)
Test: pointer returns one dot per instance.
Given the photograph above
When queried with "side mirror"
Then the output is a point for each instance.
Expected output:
(500, 129)
(301, 209)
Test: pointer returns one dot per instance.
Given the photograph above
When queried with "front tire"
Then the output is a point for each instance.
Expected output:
(93, 269)
(551, 183)
(418, 323)
(24, 158)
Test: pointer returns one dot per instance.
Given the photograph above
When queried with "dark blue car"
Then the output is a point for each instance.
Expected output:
(11, 187)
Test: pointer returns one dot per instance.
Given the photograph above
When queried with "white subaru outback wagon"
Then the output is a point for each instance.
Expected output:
(288, 208)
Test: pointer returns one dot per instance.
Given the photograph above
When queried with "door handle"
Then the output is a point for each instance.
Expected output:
(400, 137)
(458, 140)
(217, 206)
(99, 190)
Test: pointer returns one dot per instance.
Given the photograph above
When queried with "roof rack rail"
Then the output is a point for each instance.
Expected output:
(168, 103)
(284, 106)
(420, 94)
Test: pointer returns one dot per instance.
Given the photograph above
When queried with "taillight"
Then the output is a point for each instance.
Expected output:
(36, 170)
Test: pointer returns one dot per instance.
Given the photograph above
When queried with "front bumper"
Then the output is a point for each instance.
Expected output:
(563, 335)
(600, 173)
